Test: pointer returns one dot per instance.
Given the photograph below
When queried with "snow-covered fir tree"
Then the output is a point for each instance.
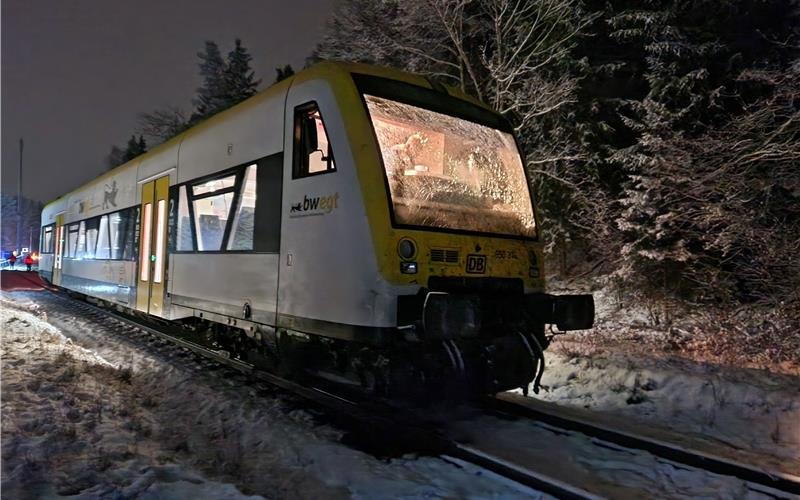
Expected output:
(211, 95)
(133, 148)
(282, 73)
(238, 77)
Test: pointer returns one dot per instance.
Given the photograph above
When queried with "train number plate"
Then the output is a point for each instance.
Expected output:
(476, 264)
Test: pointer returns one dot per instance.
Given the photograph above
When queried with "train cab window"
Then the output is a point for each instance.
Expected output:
(241, 237)
(312, 150)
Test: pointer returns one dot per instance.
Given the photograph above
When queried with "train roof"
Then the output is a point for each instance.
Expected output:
(332, 71)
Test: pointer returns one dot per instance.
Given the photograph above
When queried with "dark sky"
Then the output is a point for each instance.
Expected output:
(76, 73)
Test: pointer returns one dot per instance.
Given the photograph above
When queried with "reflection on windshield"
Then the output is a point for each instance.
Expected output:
(451, 173)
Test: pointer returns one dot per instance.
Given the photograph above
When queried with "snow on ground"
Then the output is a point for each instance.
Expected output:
(626, 368)
(751, 415)
(87, 414)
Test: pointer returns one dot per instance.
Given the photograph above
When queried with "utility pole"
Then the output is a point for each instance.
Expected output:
(19, 193)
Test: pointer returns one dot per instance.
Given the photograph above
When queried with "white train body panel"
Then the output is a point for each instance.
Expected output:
(103, 196)
(249, 279)
(233, 138)
(111, 280)
(328, 271)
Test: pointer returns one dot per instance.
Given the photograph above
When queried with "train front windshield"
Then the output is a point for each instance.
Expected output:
(450, 173)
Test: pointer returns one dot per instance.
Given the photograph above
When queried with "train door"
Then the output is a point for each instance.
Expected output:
(152, 269)
(58, 259)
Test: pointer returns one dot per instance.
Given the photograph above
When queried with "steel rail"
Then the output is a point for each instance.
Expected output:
(693, 458)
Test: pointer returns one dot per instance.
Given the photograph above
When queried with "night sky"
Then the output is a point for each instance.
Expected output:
(75, 74)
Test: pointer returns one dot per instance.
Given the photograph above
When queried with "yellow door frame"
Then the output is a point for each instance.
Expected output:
(152, 268)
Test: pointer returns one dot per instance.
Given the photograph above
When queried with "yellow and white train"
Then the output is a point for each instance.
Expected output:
(353, 221)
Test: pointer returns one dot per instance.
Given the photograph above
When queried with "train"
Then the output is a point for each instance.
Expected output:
(354, 223)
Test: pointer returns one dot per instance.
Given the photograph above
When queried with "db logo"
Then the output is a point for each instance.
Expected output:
(476, 264)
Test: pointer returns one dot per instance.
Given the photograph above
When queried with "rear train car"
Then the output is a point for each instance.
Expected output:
(361, 224)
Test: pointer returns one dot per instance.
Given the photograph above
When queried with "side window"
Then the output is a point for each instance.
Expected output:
(211, 215)
(81, 253)
(179, 236)
(183, 233)
(116, 231)
(72, 241)
(267, 233)
(47, 240)
(241, 237)
(312, 150)
(113, 236)
(102, 250)
(211, 203)
(238, 211)
(131, 233)
(92, 228)
(121, 230)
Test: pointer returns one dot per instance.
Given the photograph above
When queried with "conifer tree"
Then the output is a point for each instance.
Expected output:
(211, 95)
(115, 157)
(162, 124)
(282, 73)
(133, 148)
(238, 77)
(702, 66)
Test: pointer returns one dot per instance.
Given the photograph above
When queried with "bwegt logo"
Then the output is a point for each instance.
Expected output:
(319, 205)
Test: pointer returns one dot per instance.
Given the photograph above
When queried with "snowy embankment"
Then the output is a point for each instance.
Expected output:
(625, 373)
(71, 425)
(752, 417)
(95, 415)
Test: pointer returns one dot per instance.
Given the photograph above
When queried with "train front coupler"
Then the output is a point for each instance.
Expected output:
(566, 312)
(509, 327)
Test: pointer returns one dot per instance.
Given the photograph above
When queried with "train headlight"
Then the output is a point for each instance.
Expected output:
(406, 249)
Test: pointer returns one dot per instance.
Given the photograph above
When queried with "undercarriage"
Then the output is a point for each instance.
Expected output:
(460, 345)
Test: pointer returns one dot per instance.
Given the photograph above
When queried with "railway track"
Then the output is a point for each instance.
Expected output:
(422, 437)
(510, 404)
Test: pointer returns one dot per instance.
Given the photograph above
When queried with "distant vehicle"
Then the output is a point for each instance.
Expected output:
(352, 221)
